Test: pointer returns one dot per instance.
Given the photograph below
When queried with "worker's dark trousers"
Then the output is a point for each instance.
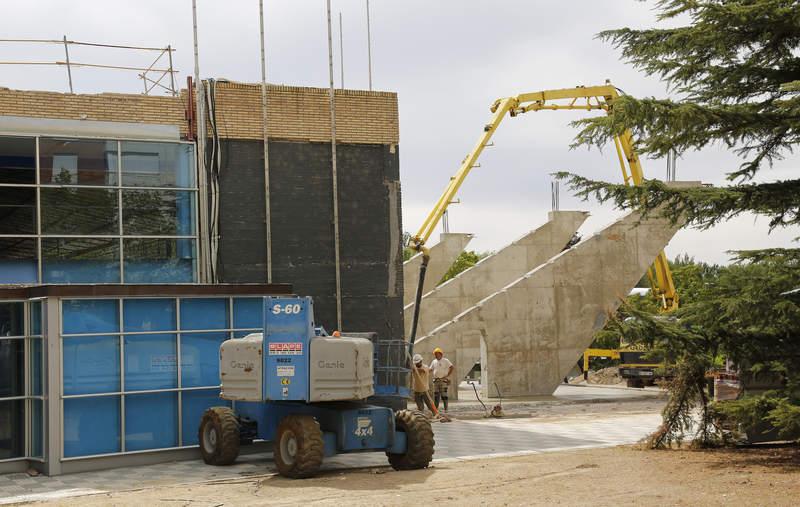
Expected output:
(423, 400)
(440, 393)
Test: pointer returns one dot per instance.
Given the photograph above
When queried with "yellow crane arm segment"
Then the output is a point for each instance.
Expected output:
(585, 98)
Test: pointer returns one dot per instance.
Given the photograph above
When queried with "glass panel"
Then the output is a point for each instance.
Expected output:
(159, 260)
(36, 318)
(73, 162)
(12, 368)
(91, 426)
(142, 429)
(248, 313)
(157, 164)
(12, 319)
(149, 314)
(204, 313)
(12, 429)
(200, 358)
(35, 367)
(18, 260)
(17, 160)
(91, 364)
(80, 260)
(37, 426)
(84, 211)
(150, 362)
(90, 316)
(157, 213)
(194, 404)
(17, 210)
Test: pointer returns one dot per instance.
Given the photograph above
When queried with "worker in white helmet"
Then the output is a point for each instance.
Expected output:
(421, 380)
(442, 369)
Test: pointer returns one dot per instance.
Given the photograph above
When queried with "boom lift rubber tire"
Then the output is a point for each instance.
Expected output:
(419, 441)
(298, 448)
(219, 436)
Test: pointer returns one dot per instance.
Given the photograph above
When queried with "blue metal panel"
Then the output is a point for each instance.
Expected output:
(144, 430)
(90, 316)
(194, 404)
(204, 313)
(288, 327)
(91, 426)
(366, 428)
(91, 364)
(248, 313)
(200, 358)
(149, 314)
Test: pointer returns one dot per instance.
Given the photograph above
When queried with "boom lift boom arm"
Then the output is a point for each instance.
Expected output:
(580, 98)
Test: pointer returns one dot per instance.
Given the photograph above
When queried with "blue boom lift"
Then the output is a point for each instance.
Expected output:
(305, 392)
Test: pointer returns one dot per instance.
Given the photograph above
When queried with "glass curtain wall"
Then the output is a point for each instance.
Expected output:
(138, 373)
(21, 380)
(97, 211)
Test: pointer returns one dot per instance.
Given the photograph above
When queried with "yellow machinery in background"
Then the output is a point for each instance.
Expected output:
(581, 98)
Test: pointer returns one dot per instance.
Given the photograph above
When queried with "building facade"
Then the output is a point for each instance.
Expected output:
(103, 191)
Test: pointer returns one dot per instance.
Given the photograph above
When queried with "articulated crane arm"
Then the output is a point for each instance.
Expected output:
(580, 98)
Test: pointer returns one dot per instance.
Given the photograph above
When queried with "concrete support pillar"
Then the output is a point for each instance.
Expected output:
(535, 328)
(443, 254)
(491, 274)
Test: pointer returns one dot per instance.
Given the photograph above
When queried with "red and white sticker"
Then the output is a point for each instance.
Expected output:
(286, 348)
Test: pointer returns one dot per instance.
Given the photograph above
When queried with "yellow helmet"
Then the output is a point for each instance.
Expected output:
(438, 350)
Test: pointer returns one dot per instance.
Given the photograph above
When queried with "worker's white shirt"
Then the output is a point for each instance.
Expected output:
(440, 367)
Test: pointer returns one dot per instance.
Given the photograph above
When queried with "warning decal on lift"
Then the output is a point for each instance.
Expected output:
(285, 371)
(286, 348)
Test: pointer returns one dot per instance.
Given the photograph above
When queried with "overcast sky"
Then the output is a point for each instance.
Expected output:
(447, 60)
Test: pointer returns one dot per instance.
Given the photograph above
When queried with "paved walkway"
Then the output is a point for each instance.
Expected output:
(459, 440)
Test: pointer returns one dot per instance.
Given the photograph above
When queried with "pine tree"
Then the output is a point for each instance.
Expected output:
(736, 70)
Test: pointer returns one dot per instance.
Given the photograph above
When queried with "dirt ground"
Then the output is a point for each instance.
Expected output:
(597, 477)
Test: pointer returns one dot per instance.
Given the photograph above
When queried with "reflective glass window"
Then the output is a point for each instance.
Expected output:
(143, 430)
(194, 404)
(12, 319)
(12, 368)
(150, 362)
(18, 260)
(12, 429)
(153, 260)
(80, 260)
(157, 213)
(91, 364)
(36, 318)
(37, 428)
(147, 164)
(18, 160)
(204, 313)
(35, 366)
(149, 314)
(91, 426)
(17, 210)
(248, 313)
(90, 316)
(78, 162)
(83, 211)
(200, 358)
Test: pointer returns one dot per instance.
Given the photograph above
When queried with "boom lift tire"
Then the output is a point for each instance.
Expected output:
(219, 436)
(419, 441)
(298, 448)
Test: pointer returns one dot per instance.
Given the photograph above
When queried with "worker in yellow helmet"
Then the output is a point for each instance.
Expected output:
(442, 369)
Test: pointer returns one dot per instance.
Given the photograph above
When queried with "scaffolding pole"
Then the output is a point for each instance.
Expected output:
(265, 132)
(331, 92)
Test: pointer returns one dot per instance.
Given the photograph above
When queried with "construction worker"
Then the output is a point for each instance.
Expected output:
(442, 368)
(422, 380)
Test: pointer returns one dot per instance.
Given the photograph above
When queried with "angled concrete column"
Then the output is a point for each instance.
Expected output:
(535, 329)
(443, 254)
(494, 272)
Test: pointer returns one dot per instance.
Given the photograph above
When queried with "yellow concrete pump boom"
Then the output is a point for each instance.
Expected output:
(580, 98)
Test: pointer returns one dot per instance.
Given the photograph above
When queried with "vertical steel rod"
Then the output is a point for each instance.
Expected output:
(265, 132)
(333, 170)
(369, 49)
(69, 70)
(341, 50)
(171, 72)
(205, 260)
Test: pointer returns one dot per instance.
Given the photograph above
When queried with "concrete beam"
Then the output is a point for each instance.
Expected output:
(443, 254)
(531, 332)
(494, 272)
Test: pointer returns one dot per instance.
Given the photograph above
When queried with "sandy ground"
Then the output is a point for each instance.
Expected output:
(598, 477)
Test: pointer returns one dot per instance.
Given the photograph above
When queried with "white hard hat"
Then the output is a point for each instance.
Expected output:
(417, 358)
